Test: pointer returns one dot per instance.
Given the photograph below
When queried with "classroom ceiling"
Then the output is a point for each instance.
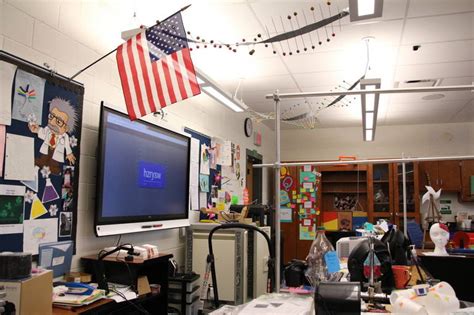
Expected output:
(444, 30)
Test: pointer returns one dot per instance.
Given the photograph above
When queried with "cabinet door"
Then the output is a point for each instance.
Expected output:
(449, 175)
(428, 175)
(467, 171)
(380, 192)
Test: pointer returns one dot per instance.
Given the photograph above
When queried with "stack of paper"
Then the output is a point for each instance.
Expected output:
(78, 300)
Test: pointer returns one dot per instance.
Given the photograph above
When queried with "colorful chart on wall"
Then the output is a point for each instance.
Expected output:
(40, 153)
(308, 212)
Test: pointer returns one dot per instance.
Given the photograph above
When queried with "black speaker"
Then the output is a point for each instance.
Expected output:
(342, 298)
(15, 265)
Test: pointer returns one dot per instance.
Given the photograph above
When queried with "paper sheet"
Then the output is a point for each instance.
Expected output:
(285, 214)
(203, 200)
(204, 160)
(19, 158)
(7, 74)
(2, 148)
(11, 209)
(204, 183)
(194, 150)
(28, 97)
(226, 153)
(36, 232)
(194, 196)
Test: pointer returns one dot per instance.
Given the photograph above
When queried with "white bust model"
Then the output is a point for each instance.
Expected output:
(439, 234)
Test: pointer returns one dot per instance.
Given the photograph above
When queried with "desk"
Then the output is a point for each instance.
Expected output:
(120, 271)
(110, 307)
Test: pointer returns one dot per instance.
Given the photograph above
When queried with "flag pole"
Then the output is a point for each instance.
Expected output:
(111, 52)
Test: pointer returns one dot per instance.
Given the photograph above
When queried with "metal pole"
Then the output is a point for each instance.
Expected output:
(404, 175)
(375, 161)
(380, 91)
(276, 98)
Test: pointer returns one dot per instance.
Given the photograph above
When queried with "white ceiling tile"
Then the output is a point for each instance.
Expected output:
(428, 107)
(465, 114)
(434, 7)
(435, 28)
(437, 52)
(435, 71)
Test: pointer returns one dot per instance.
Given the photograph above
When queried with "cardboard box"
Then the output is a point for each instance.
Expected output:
(31, 296)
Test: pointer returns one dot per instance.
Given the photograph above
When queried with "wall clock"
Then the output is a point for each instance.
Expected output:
(248, 127)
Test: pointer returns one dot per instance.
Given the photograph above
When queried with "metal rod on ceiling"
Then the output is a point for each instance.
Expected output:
(368, 161)
(380, 91)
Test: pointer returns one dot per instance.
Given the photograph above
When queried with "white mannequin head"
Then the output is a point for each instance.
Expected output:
(439, 234)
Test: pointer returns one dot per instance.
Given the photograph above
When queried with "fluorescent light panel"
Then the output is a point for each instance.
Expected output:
(365, 7)
(369, 107)
(217, 95)
(369, 120)
(212, 89)
(369, 135)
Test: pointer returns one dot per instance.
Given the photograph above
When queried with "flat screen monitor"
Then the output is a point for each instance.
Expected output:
(143, 176)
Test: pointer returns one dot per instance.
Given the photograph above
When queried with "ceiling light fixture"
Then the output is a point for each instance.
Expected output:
(211, 88)
(370, 105)
(365, 9)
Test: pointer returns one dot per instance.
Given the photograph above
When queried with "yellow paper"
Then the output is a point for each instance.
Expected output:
(37, 209)
(302, 190)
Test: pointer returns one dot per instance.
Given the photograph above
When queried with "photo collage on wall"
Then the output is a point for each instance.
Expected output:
(39, 148)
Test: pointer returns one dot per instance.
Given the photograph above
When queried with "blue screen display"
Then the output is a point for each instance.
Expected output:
(144, 170)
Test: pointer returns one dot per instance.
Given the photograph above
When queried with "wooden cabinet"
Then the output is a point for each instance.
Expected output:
(385, 187)
(442, 174)
(380, 192)
(467, 171)
(344, 188)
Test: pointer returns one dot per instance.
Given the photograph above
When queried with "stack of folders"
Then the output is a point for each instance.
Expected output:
(75, 300)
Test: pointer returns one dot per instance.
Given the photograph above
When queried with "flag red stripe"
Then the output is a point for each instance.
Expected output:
(146, 79)
(158, 84)
(191, 73)
(136, 84)
(179, 76)
(169, 84)
(124, 81)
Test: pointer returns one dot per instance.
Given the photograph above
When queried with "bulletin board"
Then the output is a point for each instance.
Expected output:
(220, 172)
(40, 132)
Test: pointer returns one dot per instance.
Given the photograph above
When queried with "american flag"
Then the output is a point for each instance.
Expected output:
(156, 69)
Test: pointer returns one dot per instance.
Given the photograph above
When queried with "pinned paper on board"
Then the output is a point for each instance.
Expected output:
(65, 224)
(226, 154)
(11, 209)
(204, 183)
(7, 75)
(32, 184)
(57, 136)
(28, 96)
(204, 160)
(49, 193)
(36, 232)
(285, 215)
(37, 209)
(284, 198)
(19, 158)
(307, 177)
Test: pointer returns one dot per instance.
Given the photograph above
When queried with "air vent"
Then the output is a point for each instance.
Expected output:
(418, 83)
